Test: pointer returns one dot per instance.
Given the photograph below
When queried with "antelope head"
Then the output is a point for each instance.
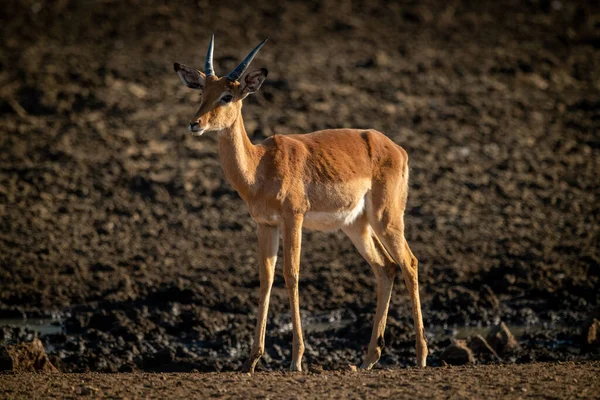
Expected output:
(221, 98)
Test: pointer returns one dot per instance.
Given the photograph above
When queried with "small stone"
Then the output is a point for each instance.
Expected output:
(458, 354)
(481, 347)
(502, 340)
(88, 390)
(137, 90)
(590, 335)
(382, 59)
(489, 298)
(315, 369)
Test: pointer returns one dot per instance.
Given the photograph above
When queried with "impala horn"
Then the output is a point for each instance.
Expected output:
(208, 64)
(240, 69)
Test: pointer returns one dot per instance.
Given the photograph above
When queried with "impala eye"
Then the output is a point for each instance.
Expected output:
(227, 98)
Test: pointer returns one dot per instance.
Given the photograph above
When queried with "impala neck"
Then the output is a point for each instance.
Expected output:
(239, 157)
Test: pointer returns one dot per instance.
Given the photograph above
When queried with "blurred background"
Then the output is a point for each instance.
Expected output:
(123, 247)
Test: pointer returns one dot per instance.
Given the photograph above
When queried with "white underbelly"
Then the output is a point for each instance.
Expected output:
(333, 220)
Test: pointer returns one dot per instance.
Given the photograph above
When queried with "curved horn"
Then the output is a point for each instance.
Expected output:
(240, 69)
(208, 64)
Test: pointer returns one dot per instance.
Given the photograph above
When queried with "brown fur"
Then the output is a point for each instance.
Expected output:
(349, 179)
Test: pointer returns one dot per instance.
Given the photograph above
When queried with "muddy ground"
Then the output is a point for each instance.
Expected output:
(536, 380)
(120, 225)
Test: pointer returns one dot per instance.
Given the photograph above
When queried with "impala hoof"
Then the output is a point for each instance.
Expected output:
(366, 366)
(248, 367)
(296, 367)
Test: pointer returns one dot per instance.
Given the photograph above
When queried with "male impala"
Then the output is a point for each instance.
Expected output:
(350, 179)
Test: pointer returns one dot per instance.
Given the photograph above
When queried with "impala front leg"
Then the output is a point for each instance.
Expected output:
(268, 243)
(292, 239)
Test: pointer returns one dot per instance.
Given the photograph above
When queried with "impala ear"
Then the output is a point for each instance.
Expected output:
(253, 81)
(190, 77)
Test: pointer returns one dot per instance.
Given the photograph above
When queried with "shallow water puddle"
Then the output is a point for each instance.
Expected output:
(465, 332)
(43, 326)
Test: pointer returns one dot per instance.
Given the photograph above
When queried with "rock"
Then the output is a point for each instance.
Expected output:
(88, 390)
(502, 340)
(137, 90)
(315, 369)
(382, 59)
(458, 354)
(108, 320)
(482, 348)
(26, 357)
(488, 297)
(590, 332)
(160, 359)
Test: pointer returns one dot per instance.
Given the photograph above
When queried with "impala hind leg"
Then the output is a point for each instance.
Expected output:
(410, 268)
(370, 248)
(268, 243)
(392, 237)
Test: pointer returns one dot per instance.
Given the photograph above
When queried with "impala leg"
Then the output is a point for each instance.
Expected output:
(410, 272)
(268, 243)
(385, 269)
(396, 245)
(292, 239)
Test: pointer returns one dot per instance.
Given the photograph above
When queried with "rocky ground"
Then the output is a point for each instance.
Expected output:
(121, 227)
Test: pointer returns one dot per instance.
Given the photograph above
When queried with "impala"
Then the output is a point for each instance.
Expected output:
(355, 180)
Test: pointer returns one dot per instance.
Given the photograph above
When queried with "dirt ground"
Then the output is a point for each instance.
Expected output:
(548, 381)
(118, 224)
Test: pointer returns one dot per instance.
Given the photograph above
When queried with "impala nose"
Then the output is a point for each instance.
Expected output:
(194, 127)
